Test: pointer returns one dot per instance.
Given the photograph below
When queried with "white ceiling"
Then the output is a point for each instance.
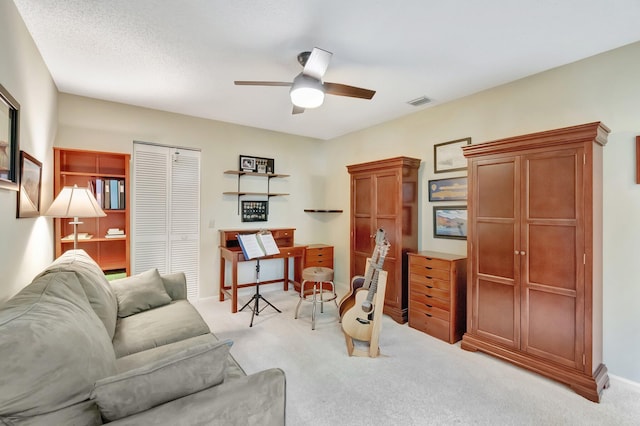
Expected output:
(183, 55)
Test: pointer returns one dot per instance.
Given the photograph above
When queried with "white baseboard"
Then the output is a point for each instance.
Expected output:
(623, 380)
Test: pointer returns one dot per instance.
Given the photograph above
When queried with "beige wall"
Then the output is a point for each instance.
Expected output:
(91, 124)
(603, 88)
(26, 245)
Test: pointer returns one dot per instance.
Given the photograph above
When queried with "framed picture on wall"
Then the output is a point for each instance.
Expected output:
(450, 222)
(454, 189)
(30, 186)
(448, 156)
(9, 146)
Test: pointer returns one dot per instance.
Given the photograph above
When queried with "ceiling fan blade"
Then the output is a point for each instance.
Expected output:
(261, 83)
(317, 63)
(297, 110)
(351, 91)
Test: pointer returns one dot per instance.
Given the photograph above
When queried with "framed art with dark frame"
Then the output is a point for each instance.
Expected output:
(9, 145)
(450, 222)
(448, 157)
(30, 186)
(452, 189)
(257, 164)
(255, 211)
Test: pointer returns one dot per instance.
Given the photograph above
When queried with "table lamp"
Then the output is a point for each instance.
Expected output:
(76, 203)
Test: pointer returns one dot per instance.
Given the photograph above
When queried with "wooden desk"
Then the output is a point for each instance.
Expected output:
(230, 250)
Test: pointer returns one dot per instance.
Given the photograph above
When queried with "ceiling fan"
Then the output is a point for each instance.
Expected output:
(307, 88)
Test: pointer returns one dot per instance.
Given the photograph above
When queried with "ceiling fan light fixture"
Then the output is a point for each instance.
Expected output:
(306, 92)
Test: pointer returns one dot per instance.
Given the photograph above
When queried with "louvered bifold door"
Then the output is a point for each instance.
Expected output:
(166, 224)
(151, 174)
(184, 217)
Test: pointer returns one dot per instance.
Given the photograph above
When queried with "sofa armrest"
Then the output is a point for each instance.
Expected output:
(176, 285)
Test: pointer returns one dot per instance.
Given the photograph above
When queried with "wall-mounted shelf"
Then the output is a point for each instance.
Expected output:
(323, 210)
(240, 193)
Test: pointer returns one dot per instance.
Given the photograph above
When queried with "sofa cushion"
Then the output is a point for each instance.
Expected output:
(182, 373)
(53, 347)
(95, 284)
(129, 362)
(85, 413)
(140, 292)
(255, 400)
(176, 321)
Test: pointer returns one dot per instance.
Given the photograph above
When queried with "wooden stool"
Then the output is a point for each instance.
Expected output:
(318, 277)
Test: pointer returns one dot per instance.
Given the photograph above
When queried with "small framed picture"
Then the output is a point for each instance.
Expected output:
(450, 222)
(30, 186)
(255, 211)
(448, 156)
(454, 189)
(247, 164)
(9, 146)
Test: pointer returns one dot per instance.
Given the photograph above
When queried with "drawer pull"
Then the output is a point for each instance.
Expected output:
(428, 277)
(429, 315)
(429, 296)
(429, 286)
(428, 306)
(428, 267)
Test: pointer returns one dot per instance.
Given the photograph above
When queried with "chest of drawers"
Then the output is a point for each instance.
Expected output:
(319, 255)
(438, 294)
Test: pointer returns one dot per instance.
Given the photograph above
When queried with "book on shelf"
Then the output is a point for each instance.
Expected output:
(115, 236)
(258, 245)
(81, 236)
(110, 193)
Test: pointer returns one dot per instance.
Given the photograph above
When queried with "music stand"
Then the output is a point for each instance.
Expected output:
(257, 246)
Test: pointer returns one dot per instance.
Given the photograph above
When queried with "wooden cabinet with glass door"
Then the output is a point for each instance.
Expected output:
(105, 239)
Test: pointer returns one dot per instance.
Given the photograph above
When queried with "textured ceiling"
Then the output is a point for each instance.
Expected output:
(183, 56)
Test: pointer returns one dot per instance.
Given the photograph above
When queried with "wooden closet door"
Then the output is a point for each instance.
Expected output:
(494, 236)
(362, 199)
(552, 262)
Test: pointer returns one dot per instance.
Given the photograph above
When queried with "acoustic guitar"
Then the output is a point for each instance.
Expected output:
(360, 281)
(357, 320)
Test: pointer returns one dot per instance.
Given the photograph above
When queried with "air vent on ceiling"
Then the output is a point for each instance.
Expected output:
(420, 101)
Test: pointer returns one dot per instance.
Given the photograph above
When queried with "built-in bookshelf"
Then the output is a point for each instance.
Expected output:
(105, 239)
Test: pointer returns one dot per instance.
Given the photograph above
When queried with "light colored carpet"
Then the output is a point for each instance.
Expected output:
(417, 380)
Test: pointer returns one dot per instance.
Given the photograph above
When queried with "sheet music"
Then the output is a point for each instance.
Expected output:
(257, 245)
(269, 244)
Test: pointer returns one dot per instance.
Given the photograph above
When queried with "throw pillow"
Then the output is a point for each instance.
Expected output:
(140, 293)
(183, 373)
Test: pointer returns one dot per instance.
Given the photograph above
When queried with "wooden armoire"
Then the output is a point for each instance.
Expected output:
(535, 254)
(384, 194)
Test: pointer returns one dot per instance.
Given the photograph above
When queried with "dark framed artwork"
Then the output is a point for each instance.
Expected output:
(9, 145)
(257, 164)
(453, 189)
(638, 159)
(255, 211)
(448, 157)
(30, 186)
(450, 222)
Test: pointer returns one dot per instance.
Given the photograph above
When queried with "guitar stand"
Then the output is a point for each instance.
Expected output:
(373, 348)
(255, 309)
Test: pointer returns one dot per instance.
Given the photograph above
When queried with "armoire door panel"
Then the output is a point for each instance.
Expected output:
(495, 189)
(550, 326)
(496, 311)
(387, 194)
(391, 296)
(551, 256)
(496, 249)
(552, 195)
(388, 224)
(362, 200)
(363, 243)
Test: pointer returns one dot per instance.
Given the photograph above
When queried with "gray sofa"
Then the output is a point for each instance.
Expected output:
(76, 349)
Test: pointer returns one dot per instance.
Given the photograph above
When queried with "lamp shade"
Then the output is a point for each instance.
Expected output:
(306, 92)
(75, 202)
